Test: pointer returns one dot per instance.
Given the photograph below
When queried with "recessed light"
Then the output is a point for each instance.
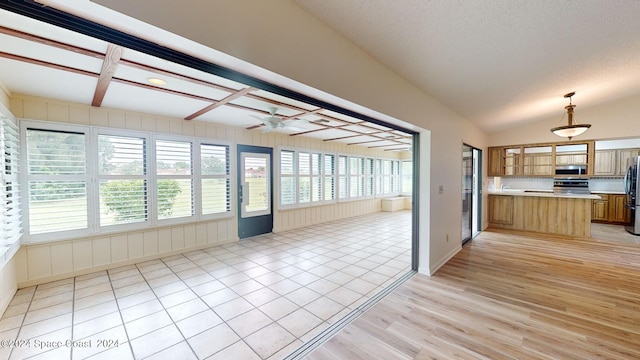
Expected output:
(157, 81)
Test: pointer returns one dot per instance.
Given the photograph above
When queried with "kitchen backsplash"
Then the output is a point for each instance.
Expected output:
(535, 183)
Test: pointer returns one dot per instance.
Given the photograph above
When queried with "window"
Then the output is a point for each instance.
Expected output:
(57, 180)
(174, 179)
(343, 171)
(369, 172)
(123, 179)
(309, 177)
(406, 185)
(287, 178)
(329, 177)
(306, 178)
(84, 180)
(387, 177)
(11, 227)
(215, 179)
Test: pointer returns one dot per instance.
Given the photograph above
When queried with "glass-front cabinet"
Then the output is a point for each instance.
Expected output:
(540, 159)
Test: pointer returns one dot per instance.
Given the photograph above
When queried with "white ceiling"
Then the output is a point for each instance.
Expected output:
(40, 59)
(499, 63)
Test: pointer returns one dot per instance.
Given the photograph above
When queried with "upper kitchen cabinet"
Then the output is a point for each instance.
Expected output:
(572, 154)
(539, 159)
(496, 167)
(611, 156)
(505, 161)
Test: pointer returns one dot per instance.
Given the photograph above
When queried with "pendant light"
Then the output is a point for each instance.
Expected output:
(571, 129)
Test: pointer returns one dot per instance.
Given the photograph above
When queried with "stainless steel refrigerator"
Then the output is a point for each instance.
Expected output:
(632, 189)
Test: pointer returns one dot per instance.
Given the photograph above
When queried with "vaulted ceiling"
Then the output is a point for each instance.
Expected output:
(499, 63)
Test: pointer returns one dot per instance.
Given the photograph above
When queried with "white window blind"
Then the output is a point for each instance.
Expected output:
(343, 171)
(316, 187)
(406, 169)
(123, 179)
(57, 180)
(10, 218)
(368, 176)
(215, 179)
(288, 191)
(174, 179)
(304, 180)
(395, 176)
(329, 177)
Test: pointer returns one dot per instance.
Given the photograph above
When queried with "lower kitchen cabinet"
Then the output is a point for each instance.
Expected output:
(610, 209)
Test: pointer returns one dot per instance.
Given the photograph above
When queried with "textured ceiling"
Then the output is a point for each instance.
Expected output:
(499, 63)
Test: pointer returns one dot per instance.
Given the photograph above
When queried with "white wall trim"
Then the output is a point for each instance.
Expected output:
(439, 264)
(114, 265)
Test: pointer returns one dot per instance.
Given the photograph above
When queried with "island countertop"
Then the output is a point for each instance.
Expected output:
(541, 212)
(542, 193)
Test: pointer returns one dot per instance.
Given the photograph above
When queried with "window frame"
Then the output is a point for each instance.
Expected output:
(145, 177)
(26, 179)
(322, 177)
(10, 221)
(93, 180)
(231, 166)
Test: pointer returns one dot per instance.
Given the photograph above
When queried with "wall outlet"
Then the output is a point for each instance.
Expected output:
(447, 237)
(440, 189)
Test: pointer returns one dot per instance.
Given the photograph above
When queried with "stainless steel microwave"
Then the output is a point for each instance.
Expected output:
(571, 170)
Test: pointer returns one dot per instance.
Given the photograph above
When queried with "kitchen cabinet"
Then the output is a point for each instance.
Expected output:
(495, 161)
(501, 210)
(605, 164)
(611, 209)
(618, 212)
(512, 161)
(565, 216)
(623, 155)
(600, 209)
(572, 154)
(613, 162)
(538, 160)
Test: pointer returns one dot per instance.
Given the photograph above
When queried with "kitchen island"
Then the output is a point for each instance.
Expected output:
(542, 212)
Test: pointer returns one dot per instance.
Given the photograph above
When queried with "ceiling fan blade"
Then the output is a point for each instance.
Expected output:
(262, 120)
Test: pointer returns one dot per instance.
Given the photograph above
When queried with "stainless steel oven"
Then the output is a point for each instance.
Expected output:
(571, 186)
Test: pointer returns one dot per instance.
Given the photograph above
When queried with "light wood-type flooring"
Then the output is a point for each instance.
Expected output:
(508, 296)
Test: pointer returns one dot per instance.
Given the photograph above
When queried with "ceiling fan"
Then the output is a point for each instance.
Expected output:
(273, 122)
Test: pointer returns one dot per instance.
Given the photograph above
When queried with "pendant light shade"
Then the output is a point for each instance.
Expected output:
(570, 130)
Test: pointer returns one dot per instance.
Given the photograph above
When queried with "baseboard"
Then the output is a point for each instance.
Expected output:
(47, 279)
(439, 264)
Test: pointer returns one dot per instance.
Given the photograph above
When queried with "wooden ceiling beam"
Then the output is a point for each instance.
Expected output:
(109, 65)
(113, 57)
(366, 142)
(49, 42)
(217, 104)
(160, 89)
(47, 64)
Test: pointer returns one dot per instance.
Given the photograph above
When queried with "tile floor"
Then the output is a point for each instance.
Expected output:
(261, 298)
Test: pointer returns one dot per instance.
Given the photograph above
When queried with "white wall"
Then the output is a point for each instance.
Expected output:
(617, 119)
(280, 37)
(40, 263)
